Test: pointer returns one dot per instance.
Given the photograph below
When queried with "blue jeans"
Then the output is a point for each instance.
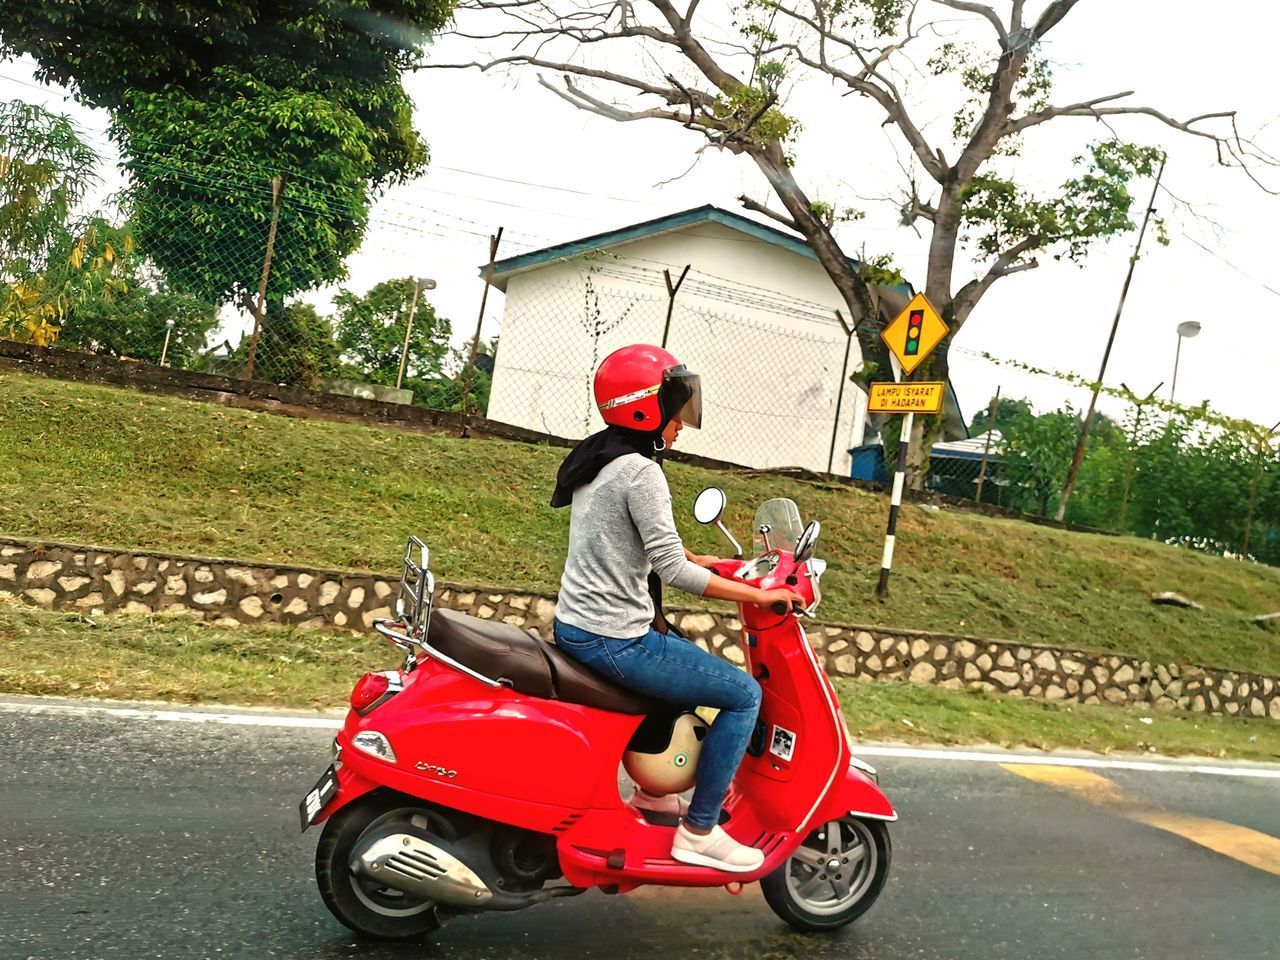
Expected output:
(668, 667)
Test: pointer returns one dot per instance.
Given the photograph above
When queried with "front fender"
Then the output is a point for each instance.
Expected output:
(855, 793)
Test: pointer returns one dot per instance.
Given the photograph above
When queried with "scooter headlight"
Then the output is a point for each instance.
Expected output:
(374, 744)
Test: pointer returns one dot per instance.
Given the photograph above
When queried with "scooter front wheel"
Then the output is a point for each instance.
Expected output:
(833, 877)
(361, 904)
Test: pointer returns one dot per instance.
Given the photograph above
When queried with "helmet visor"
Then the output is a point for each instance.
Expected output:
(680, 396)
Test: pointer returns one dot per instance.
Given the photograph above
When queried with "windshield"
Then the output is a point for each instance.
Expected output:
(782, 517)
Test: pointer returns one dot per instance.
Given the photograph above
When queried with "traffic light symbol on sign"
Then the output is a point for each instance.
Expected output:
(914, 332)
(914, 323)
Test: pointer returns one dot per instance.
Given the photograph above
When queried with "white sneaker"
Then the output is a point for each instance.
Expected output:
(672, 804)
(717, 850)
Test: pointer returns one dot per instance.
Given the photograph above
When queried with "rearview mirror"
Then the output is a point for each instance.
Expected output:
(808, 542)
(709, 506)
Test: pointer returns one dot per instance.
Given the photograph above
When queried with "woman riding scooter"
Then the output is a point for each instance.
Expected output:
(622, 538)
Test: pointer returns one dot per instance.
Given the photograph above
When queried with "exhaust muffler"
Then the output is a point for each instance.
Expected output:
(422, 869)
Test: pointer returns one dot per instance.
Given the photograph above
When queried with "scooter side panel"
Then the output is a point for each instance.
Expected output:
(367, 774)
(492, 751)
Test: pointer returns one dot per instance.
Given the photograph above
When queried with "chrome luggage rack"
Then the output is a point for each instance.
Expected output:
(414, 604)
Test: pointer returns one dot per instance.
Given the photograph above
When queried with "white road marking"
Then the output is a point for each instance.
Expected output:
(1171, 765)
(39, 706)
(162, 715)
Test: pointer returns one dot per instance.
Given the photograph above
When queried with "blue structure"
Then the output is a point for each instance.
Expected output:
(953, 466)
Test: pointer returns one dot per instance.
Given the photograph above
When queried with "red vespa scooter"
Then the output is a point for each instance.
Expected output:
(486, 768)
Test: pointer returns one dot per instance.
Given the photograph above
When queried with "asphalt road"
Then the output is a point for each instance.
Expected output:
(123, 838)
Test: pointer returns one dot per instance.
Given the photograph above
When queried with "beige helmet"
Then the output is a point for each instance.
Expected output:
(663, 755)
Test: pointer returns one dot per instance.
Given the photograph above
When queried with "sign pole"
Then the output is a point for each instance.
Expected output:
(910, 337)
(895, 502)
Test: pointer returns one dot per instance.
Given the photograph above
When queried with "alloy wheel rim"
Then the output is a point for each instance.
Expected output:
(833, 868)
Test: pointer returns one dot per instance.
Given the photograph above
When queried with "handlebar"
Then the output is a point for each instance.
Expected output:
(780, 608)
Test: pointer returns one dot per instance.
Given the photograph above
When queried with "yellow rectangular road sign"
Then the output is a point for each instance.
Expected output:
(914, 333)
(905, 397)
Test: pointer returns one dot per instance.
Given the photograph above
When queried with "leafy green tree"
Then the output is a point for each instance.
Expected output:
(210, 99)
(1007, 412)
(727, 80)
(296, 347)
(1189, 479)
(45, 169)
(1037, 454)
(371, 331)
(135, 323)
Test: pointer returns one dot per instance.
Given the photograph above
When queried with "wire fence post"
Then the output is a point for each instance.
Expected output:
(672, 290)
(844, 375)
(1132, 446)
(475, 340)
(986, 447)
(1253, 489)
(277, 188)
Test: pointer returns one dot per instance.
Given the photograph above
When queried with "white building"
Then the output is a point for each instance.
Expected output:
(755, 315)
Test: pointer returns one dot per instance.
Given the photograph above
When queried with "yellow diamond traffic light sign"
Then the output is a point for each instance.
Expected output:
(914, 333)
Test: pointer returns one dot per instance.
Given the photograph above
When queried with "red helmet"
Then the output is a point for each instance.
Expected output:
(644, 387)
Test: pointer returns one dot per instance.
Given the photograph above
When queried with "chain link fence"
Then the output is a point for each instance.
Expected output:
(1177, 474)
(772, 381)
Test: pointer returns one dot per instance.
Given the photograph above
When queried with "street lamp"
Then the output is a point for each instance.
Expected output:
(1187, 329)
(168, 331)
(420, 284)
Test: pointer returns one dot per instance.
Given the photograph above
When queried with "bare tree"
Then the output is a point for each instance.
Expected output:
(725, 77)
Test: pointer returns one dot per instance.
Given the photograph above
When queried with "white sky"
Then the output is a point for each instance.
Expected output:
(487, 129)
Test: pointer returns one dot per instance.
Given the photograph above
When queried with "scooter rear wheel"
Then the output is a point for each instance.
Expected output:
(834, 876)
(360, 904)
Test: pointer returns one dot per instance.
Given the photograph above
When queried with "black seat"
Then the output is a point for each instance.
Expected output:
(529, 664)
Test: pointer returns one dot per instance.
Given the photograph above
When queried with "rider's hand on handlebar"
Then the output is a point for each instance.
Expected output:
(781, 600)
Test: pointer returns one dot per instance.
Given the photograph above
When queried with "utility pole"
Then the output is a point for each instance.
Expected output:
(1106, 354)
(277, 187)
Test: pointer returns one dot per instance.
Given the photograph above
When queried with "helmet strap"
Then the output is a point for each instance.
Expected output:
(659, 445)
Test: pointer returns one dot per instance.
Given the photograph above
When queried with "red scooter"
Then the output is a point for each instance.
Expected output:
(485, 769)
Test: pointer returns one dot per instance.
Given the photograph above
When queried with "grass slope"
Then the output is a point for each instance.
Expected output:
(108, 466)
(180, 659)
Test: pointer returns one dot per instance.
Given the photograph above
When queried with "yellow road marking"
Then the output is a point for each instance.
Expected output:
(1083, 783)
(1257, 849)
(1252, 847)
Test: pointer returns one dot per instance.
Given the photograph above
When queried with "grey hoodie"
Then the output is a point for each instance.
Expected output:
(620, 528)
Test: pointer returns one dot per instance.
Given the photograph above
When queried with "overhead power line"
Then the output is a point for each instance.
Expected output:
(1218, 256)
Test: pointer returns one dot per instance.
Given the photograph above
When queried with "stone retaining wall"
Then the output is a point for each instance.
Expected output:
(96, 579)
